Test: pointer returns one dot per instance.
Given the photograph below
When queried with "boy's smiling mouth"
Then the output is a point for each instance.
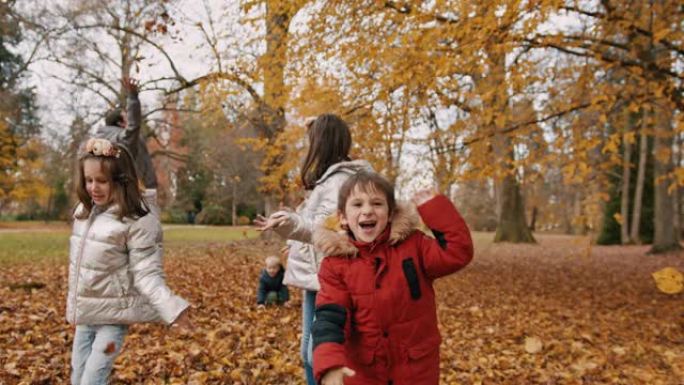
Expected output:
(368, 225)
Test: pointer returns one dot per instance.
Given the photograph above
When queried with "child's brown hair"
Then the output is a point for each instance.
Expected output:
(125, 191)
(329, 143)
(367, 181)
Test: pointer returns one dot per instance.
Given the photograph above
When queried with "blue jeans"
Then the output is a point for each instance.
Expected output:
(94, 351)
(308, 308)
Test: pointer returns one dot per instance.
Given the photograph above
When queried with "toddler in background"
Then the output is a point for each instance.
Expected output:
(271, 288)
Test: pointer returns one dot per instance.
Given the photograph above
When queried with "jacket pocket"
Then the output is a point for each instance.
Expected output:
(120, 286)
(411, 275)
(423, 348)
(423, 360)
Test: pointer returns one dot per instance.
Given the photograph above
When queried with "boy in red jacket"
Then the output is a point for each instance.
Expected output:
(376, 318)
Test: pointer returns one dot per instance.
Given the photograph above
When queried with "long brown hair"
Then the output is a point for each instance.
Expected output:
(123, 178)
(329, 143)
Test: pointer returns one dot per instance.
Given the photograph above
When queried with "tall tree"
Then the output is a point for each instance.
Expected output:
(644, 40)
(18, 120)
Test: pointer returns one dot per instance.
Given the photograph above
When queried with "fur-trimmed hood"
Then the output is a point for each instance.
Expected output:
(332, 239)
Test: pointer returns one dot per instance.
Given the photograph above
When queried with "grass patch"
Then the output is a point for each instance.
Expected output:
(184, 234)
(33, 225)
(38, 242)
(28, 242)
(34, 246)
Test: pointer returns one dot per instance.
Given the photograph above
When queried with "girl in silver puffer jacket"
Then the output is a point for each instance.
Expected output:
(115, 263)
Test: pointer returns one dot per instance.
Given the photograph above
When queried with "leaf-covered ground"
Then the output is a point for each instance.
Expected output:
(560, 312)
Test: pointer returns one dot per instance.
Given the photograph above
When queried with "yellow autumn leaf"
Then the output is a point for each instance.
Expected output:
(669, 280)
(533, 345)
(661, 33)
(332, 222)
(618, 218)
(630, 137)
(236, 374)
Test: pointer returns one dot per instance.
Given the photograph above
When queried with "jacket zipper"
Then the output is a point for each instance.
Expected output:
(89, 223)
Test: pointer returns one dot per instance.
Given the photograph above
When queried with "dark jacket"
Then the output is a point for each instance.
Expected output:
(268, 283)
(376, 312)
(131, 138)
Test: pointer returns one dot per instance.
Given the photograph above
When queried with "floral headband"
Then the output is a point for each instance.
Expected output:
(102, 147)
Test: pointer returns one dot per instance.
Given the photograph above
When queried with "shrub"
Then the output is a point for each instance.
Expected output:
(213, 215)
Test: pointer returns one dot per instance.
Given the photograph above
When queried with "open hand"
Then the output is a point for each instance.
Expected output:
(182, 322)
(423, 196)
(274, 220)
(336, 376)
(130, 85)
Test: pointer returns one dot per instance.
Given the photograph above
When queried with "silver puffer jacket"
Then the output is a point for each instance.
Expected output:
(303, 260)
(115, 271)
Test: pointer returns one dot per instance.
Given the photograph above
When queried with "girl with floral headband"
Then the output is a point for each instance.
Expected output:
(115, 263)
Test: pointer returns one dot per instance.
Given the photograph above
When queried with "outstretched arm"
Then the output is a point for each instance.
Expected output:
(293, 225)
(144, 244)
(130, 134)
(452, 247)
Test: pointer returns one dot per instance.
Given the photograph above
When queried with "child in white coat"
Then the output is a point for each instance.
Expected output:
(115, 263)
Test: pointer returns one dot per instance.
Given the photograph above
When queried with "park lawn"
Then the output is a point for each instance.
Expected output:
(34, 241)
(184, 234)
(25, 242)
(32, 225)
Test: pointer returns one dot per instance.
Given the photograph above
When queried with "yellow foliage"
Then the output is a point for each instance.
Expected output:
(618, 218)
(332, 222)
(669, 280)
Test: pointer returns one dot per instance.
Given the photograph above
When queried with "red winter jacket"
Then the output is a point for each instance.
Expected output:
(375, 312)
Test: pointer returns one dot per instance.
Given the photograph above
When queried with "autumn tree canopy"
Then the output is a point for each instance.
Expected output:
(547, 107)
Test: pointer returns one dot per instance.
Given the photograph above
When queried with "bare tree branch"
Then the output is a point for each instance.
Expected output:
(170, 154)
(406, 9)
(82, 70)
(510, 129)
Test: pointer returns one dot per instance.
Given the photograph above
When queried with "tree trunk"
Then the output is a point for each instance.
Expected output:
(639, 187)
(533, 221)
(273, 62)
(624, 197)
(50, 204)
(678, 190)
(665, 237)
(512, 226)
(279, 14)
(577, 228)
(233, 208)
